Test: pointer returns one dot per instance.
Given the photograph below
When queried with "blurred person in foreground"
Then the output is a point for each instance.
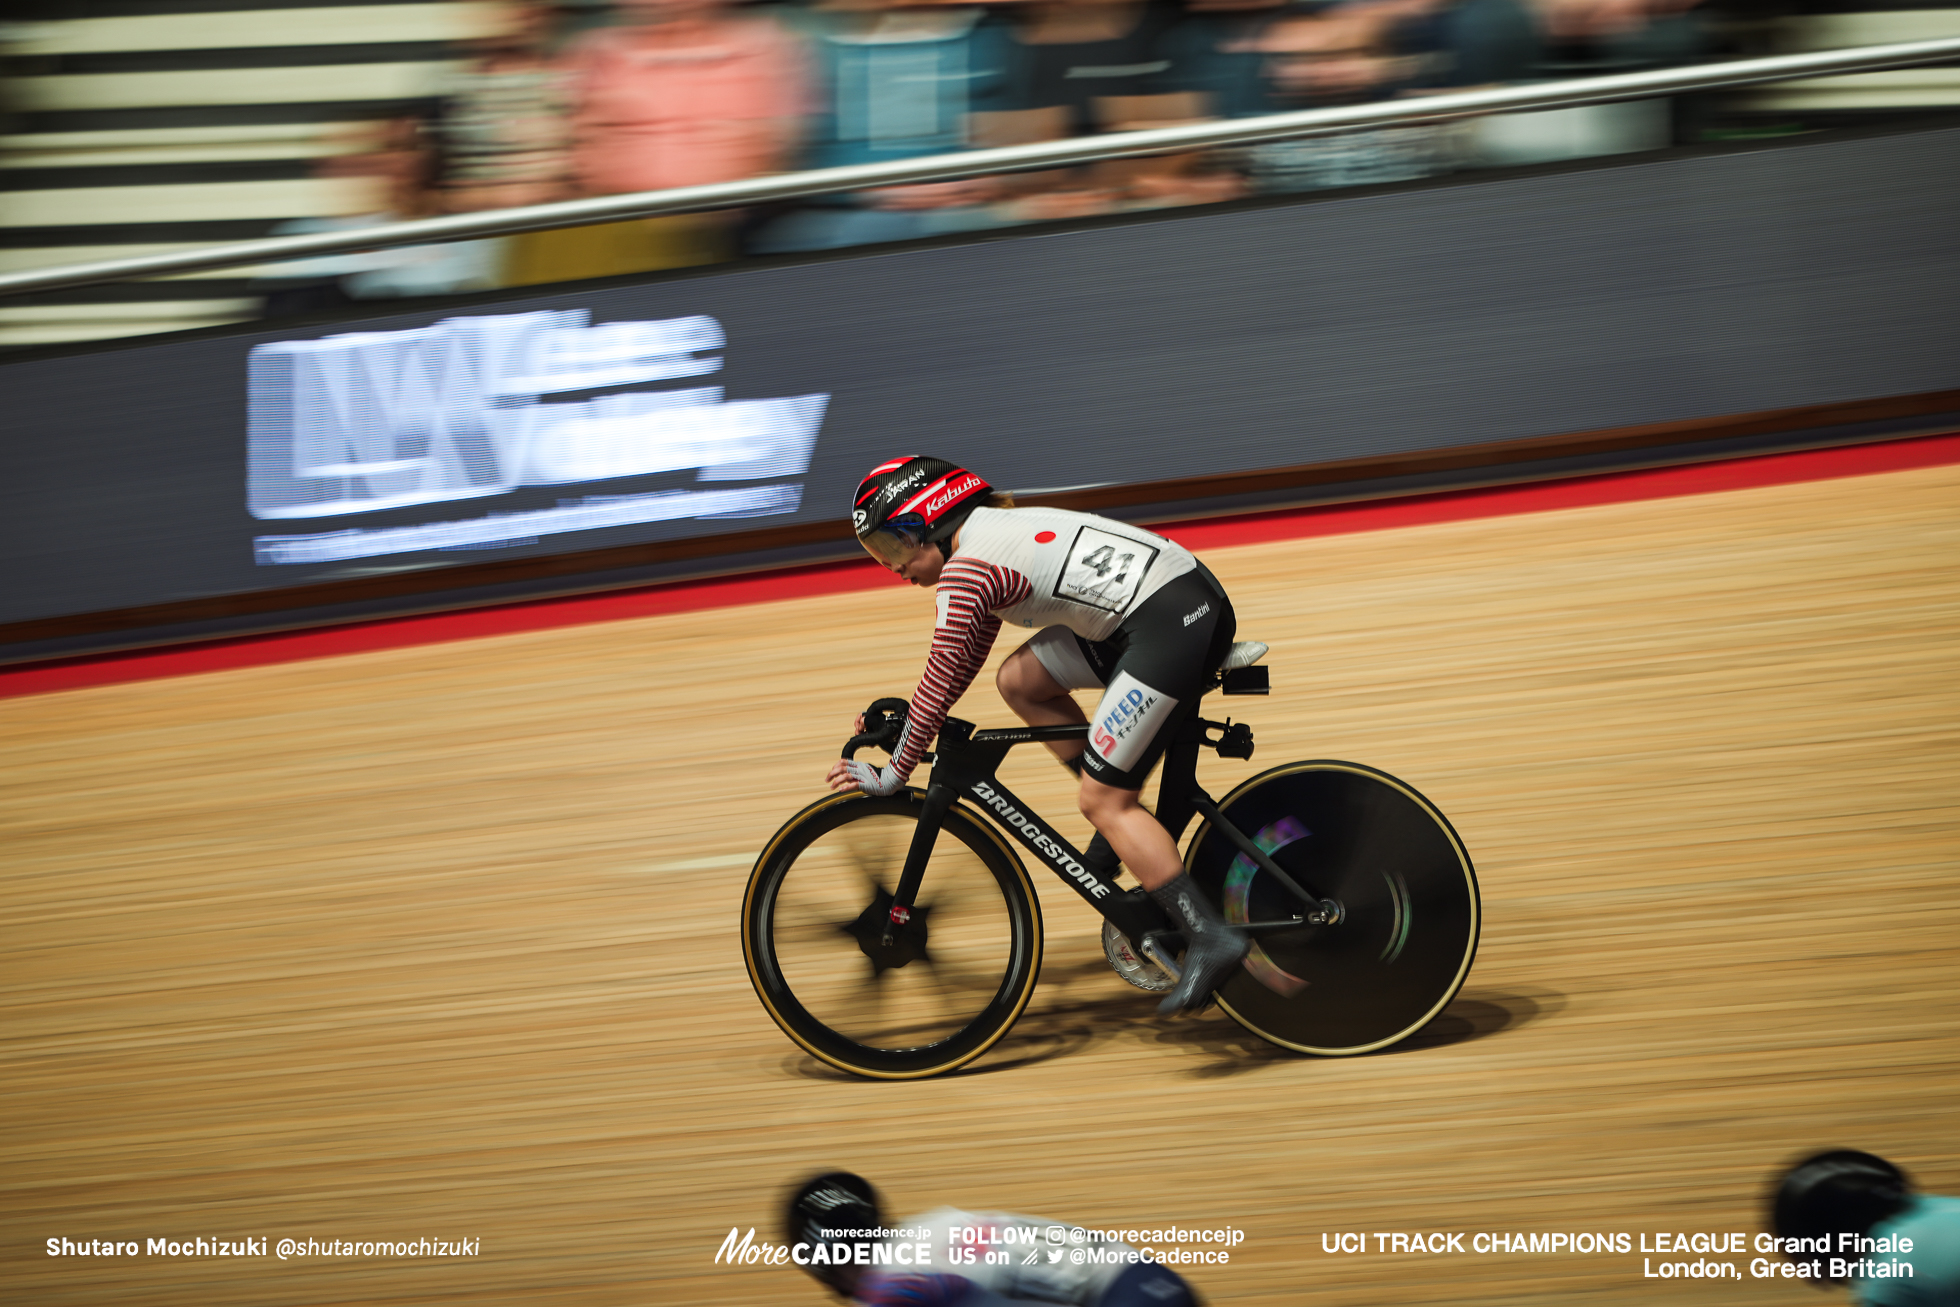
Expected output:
(894, 79)
(838, 1202)
(681, 93)
(1858, 1218)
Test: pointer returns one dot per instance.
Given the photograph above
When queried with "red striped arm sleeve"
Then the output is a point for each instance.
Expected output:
(969, 592)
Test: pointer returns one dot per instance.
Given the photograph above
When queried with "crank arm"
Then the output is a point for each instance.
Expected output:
(1151, 948)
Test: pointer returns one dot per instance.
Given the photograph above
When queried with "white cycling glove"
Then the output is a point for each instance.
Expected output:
(878, 782)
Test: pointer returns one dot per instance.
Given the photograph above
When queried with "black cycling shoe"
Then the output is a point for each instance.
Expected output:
(1211, 946)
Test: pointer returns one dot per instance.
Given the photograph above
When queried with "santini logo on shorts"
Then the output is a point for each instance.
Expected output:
(1202, 610)
(1127, 720)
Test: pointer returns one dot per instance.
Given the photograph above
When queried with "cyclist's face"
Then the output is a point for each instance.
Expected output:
(919, 564)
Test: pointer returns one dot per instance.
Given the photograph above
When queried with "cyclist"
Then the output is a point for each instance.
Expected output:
(840, 1213)
(1120, 610)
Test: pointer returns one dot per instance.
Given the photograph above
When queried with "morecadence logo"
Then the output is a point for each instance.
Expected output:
(364, 421)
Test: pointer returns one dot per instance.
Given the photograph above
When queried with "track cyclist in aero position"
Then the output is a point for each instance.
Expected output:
(1120, 610)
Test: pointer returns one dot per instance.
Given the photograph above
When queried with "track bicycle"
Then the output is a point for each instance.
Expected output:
(900, 937)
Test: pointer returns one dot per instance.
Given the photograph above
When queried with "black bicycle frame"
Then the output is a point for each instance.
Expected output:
(965, 764)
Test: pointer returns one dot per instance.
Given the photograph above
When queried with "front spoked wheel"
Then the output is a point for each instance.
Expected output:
(953, 978)
(1408, 894)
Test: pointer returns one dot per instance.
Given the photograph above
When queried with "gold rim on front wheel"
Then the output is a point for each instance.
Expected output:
(892, 1000)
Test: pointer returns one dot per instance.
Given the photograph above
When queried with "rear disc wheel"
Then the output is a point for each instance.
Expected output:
(1411, 913)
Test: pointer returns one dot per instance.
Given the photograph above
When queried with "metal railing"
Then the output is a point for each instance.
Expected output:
(1014, 158)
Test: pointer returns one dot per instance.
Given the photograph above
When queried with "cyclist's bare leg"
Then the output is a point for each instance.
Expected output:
(1037, 700)
(1213, 949)
(1133, 831)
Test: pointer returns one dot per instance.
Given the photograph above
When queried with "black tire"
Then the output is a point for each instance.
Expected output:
(1405, 885)
(959, 973)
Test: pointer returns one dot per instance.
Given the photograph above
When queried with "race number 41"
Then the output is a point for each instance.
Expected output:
(1104, 570)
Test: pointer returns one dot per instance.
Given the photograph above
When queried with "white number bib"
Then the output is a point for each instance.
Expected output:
(1104, 570)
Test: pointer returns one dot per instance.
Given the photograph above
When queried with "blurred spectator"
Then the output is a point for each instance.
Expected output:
(1068, 54)
(1476, 42)
(682, 93)
(398, 158)
(1159, 180)
(1254, 56)
(1855, 1214)
(1319, 55)
(1620, 35)
(1083, 66)
(504, 125)
(895, 79)
(1252, 61)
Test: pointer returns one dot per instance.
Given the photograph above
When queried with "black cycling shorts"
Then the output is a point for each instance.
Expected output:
(1151, 671)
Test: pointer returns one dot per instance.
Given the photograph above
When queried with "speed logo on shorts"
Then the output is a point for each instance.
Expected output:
(1104, 570)
(1127, 720)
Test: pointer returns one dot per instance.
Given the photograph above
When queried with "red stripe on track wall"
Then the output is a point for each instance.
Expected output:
(1573, 492)
(837, 578)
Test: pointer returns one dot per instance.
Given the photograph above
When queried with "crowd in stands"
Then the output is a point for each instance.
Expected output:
(563, 102)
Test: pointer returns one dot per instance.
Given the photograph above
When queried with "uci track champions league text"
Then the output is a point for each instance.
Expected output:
(1663, 1254)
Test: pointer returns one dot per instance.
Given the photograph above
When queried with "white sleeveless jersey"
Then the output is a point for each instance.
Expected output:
(1034, 567)
(1084, 572)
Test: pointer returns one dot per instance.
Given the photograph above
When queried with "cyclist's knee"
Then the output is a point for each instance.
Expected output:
(1099, 802)
(1023, 680)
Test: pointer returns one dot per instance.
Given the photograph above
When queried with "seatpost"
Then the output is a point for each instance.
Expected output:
(938, 799)
(1179, 780)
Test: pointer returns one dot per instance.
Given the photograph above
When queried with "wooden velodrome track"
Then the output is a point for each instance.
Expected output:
(441, 941)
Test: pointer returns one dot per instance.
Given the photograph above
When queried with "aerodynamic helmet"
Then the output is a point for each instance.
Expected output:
(907, 502)
(826, 1205)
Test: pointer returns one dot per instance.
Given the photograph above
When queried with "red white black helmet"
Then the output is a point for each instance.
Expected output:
(907, 502)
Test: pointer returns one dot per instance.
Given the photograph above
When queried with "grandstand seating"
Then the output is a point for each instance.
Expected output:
(130, 127)
(141, 126)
